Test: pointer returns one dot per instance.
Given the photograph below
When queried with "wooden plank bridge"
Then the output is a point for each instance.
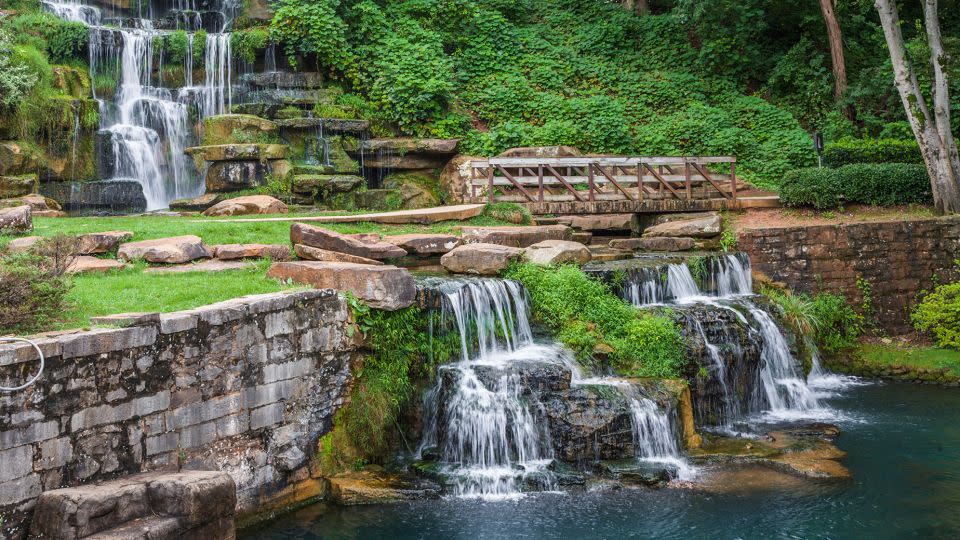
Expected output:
(598, 185)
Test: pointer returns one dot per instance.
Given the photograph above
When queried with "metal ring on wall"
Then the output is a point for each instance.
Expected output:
(39, 372)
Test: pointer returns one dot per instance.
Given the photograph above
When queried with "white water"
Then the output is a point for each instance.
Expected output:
(148, 124)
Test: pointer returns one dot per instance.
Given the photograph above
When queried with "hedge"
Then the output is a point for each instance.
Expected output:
(881, 184)
(848, 151)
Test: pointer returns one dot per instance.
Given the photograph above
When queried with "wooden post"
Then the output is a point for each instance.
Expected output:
(540, 179)
(733, 179)
(687, 183)
(490, 183)
(639, 181)
(590, 181)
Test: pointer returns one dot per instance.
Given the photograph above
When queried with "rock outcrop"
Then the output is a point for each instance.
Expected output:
(174, 250)
(481, 259)
(250, 204)
(16, 186)
(382, 287)
(318, 237)
(520, 237)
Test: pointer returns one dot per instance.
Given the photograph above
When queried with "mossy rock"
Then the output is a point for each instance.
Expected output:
(18, 158)
(72, 81)
(17, 186)
(302, 168)
(325, 185)
(378, 199)
(418, 189)
(238, 128)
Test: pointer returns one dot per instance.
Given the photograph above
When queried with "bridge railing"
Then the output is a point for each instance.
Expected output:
(587, 179)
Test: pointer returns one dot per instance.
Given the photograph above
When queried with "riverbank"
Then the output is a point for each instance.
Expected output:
(901, 362)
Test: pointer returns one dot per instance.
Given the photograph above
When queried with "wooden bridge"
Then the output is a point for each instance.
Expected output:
(600, 185)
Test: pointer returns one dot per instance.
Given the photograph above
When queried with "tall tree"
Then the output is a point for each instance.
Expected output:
(828, 8)
(640, 7)
(932, 130)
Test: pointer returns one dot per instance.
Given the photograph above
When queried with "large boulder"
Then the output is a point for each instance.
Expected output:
(228, 252)
(100, 197)
(481, 259)
(416, 189)
(224, 128)
(174, 250)
(227, 176)
(101, 242)
(455, 180)
(37, 203)
(17, 186)
(515, 236)
(251, 204)
(301, 233)
(18, 219)
(424, 244)
(700, 226)
(316, 254)
(552, 252)
(382, 287)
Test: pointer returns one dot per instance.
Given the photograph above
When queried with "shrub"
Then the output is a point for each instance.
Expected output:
(16, 76)
(33, 285)
(839, 326)
(600, 327)
(847, 151)
(877, 184)
(939, 314)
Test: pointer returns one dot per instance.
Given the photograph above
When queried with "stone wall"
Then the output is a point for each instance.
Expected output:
(898, 259)
(246, 386)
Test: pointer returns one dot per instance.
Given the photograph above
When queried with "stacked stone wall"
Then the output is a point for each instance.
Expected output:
(246, 386)
(896, 261)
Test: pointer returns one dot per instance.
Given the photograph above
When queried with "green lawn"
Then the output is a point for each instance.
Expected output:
(914, 357)
(132, 290)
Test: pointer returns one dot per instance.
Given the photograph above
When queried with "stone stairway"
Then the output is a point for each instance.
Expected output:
(154, 506)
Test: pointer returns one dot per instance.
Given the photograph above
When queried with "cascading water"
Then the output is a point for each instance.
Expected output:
(782, 392)
(146, 124)
(492, 436)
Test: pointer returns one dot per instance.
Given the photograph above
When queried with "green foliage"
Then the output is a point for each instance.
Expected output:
(509, 212)
(16, 76)
(848, 150)
(728, 239)
(399, 354)
(310, 27)
(61, 40)
(246, 43)
(876, 184)
(175, 47)
(199, 47)
(34, 286)
(826, 318)
(600, 327)
(939, 314)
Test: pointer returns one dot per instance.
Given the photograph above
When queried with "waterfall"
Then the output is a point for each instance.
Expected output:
(781, 391)
(147, 125)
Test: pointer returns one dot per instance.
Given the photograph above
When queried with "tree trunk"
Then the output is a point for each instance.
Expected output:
(638, 7)
(937, 144)
(836, 49)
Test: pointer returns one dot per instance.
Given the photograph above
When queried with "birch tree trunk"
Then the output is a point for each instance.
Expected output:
(937, 145)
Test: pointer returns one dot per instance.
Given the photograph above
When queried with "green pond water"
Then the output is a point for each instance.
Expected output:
(903, 443)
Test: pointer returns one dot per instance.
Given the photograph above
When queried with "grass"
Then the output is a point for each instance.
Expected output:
(917, 357)
(122, 291)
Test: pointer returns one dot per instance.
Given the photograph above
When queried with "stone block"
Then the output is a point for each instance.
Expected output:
(55, 453)
(16, 462)
(173, 250)
(482, 259)
(195, 496)
(163, 443)
(21, 489)
(288, 370)
(198, 435)
(266, 416)
(264, 394)
(383, 287)
(520, 237)
(319, 237)
(38, 432)
(204, 411)
(105, 340)
(172, 323)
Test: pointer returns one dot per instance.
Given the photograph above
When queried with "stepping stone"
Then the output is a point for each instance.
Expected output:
(520, 237)
(174, 250)
(382, 287)
(316, 254)
(704, 226)
(16, 220)
(342, 243)
(424, 244)
(251, 204)
(653, 243)
(85, 264)
(214, 265)
(102, 242)
(552, 252)
(482, 259)
(229, 252)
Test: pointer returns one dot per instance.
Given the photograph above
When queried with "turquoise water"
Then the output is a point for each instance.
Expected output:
(903, 443)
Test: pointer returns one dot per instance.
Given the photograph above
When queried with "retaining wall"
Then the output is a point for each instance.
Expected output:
(246, 386)
(898, 259)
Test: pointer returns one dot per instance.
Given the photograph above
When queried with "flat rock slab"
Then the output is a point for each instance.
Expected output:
(251, 204)
(425, 244)
(599, 222)
(520, 237)
(606, 254)
(102, 242)
(362, 246)
(705, 226)
(17, 219)
(316, 254)
(423, 216)
(24, 243)
(214, 265)
(383, 287)
(198, 500)
(239, 152)
(85, 264)
(229, 252)
(653, 243)
(482, 259)
(173, 250)
(552, 252)
(196, 204)
(365, 487)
